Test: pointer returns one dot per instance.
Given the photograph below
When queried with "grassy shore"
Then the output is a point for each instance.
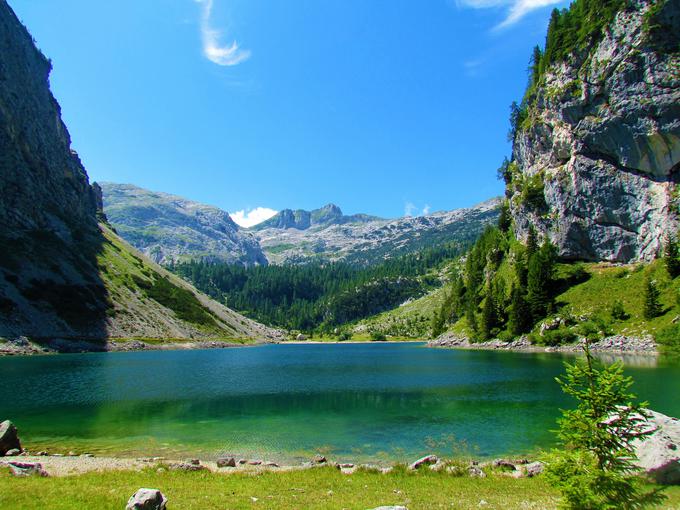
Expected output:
(318, 488)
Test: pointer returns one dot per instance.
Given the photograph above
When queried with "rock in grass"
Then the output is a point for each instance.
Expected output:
(659, 453)
(428, 460)
(26, 469)
(9, 438)
(147, 499)
(186, 466)
(319, 459)
(226, 462)
(534, 469)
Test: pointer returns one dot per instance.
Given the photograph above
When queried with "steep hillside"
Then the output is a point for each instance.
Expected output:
(596, 155)
(168, 228)
(62, 274)
(327, 235)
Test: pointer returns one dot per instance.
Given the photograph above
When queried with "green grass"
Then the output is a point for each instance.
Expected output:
(321, 488)
(604, 284)
(608, 284)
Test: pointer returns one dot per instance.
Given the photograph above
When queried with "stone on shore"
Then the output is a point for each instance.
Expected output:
(534, 469)
(147, 499)
(319, 459)
(26, 469)
(9, 438)
(659, 453)
(427, 460)
(186, 466)
(226, 462)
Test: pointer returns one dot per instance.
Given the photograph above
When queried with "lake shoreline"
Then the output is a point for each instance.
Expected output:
(23, 346)
(616, 344)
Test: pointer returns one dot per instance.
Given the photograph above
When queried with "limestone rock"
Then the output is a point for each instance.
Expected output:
(427, 460)
(226, 462)
(534, 469)
(26, 469)
(9, 438)
(604, 141)
(147, 499)
(659, 453)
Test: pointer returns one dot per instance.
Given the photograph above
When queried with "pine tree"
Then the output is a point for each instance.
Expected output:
(595, 467)
(652, 306)
(504, 219)
(540, 280)
(519, 320)
(532, 242)
(671, 257)
(489, 319)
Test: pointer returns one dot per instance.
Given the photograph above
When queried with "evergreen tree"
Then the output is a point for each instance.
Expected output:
(532, 242)
(595, 467)
(671, 257)
(489, 319)
(519, 320)
(540, 280)
(504, 219)
(652, 306)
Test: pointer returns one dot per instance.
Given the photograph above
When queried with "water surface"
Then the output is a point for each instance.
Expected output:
(383, 401)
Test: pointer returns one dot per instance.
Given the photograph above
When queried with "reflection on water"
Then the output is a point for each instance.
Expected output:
(390, 401)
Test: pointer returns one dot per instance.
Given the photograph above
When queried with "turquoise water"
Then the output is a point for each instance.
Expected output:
(383, 401)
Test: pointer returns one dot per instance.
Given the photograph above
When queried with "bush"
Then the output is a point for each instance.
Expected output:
(554, 337)
(618, 312)
(344, 336)
(378, 336)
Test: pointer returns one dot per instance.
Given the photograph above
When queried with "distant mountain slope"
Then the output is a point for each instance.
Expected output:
(364, 239)
(63, 275)
(300, 219)
(168, 228)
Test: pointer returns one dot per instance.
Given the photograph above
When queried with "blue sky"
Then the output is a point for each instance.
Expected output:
(380, 106)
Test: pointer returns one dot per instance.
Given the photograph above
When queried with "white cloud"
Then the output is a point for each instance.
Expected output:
(516, 9)
(252, 217)
(410, 210)
(213, 50)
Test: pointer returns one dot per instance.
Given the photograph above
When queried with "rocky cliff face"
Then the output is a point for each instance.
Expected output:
(62, 274)
(43, 185)
(167, 228)
(597, 160)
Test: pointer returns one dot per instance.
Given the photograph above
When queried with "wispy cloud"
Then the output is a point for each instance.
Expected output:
(251, 217)
(410, 210)
(213, 49)
(515, 9)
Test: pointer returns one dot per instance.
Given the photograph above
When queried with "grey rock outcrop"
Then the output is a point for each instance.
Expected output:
(9, 438)
(168, 228)
(659, 453)
(604, 140)
(147, 499)
(21, 469)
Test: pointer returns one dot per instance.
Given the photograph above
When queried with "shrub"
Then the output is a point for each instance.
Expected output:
(378, 336)
(618, 312)
(652, 306)
(559, 336)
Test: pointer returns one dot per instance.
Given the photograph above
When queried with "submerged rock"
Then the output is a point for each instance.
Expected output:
(9, 438)
(147, 499)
